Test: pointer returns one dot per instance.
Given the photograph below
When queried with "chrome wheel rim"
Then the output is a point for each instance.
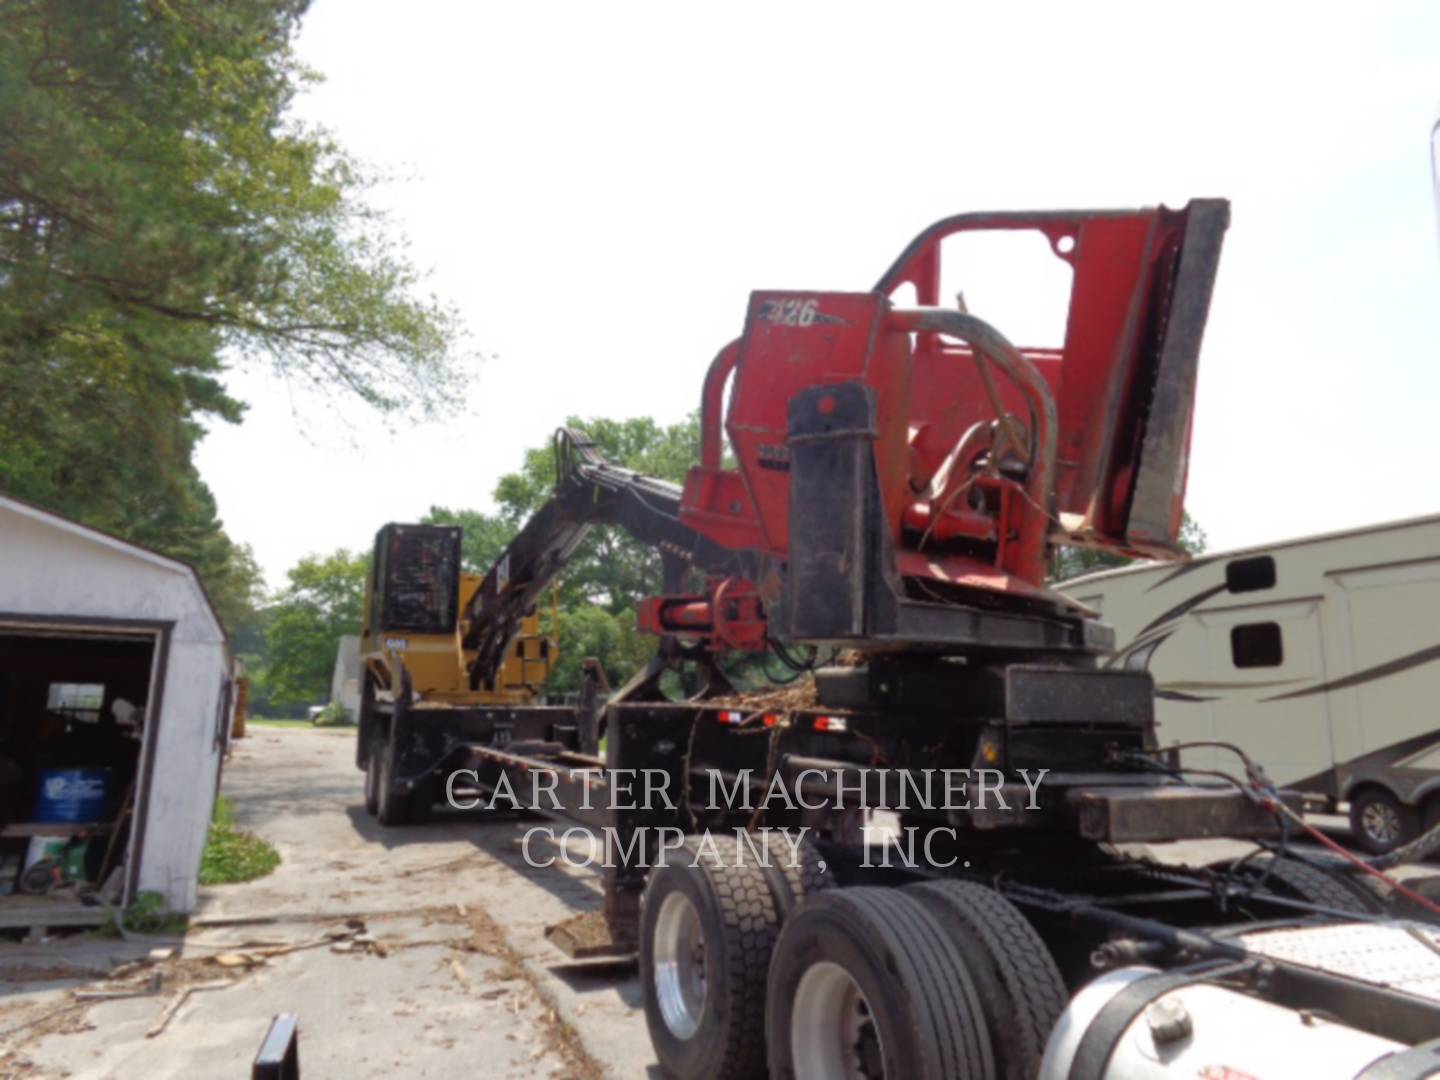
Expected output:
(833, 1033)
(1380, 822)
(679, 952)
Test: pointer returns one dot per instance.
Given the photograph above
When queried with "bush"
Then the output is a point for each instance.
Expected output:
(333, 715)
(231, 854)
(148, 914)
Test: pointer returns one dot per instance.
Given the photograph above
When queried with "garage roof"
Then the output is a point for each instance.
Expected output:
(31, 582)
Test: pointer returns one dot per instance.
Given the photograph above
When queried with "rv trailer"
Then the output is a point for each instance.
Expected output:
(1319, 657)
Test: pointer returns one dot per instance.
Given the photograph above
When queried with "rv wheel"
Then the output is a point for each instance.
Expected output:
(1380, 822)
(865, 983)
(707, 928)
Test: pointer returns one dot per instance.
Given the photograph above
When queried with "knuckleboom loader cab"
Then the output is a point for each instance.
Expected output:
(416, 682)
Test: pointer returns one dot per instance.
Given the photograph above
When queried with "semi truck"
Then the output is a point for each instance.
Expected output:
(901, 474)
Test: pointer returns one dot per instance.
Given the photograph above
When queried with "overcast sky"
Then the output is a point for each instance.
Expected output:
(599, 186)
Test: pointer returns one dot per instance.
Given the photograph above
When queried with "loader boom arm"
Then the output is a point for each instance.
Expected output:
(589, 491)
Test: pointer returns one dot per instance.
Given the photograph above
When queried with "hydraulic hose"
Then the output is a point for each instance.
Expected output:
(991, 345)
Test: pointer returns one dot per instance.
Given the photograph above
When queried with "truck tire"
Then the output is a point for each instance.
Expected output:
(392, 807)
(865, 981)
(365, 719)
(372, 779)
(1021, 992)
(1380, 822)
(1317, 886)
(707, 928)
(791, 881)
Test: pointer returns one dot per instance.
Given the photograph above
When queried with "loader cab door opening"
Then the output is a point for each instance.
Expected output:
(1019, 281)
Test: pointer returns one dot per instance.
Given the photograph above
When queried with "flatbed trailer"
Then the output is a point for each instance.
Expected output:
(1062, 928)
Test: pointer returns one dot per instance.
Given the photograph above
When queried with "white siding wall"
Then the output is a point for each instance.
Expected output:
(51, 567)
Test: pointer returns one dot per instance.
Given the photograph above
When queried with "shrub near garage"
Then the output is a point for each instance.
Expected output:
(233, 855)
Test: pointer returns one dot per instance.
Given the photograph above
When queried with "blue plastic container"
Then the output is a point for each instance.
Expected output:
(73, 796)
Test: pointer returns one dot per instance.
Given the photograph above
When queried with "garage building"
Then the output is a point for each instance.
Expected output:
(114, 714)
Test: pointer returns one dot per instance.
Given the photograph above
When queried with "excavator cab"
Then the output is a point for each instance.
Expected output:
(416, 599)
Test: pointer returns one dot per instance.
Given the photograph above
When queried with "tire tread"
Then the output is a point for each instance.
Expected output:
(927, 972)
(1019, 961)
(749, 925)
(1318, 886)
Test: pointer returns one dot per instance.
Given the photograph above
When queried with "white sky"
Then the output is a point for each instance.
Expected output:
(599, 186)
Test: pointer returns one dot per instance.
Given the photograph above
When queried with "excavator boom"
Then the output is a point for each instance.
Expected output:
(589, 491)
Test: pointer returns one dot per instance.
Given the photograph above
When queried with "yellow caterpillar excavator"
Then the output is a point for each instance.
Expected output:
(416, 682)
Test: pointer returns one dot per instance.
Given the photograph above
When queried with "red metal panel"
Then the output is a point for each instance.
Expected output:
(793, 341)
(1121, 385)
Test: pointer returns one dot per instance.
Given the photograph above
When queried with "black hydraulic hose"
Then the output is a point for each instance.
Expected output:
(1424, 844)
(1427, 843)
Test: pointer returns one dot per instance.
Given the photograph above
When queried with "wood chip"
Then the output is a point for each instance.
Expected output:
(460, 976)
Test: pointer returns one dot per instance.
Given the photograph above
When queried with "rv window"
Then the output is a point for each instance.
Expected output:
(1256, 645)
(1250, 575)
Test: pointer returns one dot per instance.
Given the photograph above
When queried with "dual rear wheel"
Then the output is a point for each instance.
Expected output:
(386, 801)
(743, 976)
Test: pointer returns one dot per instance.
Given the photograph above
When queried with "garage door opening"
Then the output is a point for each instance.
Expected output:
(73, 707)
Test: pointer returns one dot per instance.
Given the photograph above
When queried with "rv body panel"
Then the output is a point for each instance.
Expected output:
(1320, 657)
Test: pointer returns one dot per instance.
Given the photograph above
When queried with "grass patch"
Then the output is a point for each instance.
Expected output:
(333, 715)
(148, 915)
(231, 854)
(224, 811)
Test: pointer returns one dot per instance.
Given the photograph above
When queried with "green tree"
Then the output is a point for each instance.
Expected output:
(321, 602)
(609, 569)
(611, 638)
(160, 214)
(1071, 562)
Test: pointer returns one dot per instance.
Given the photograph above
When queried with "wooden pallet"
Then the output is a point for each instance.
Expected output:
(39, 913)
